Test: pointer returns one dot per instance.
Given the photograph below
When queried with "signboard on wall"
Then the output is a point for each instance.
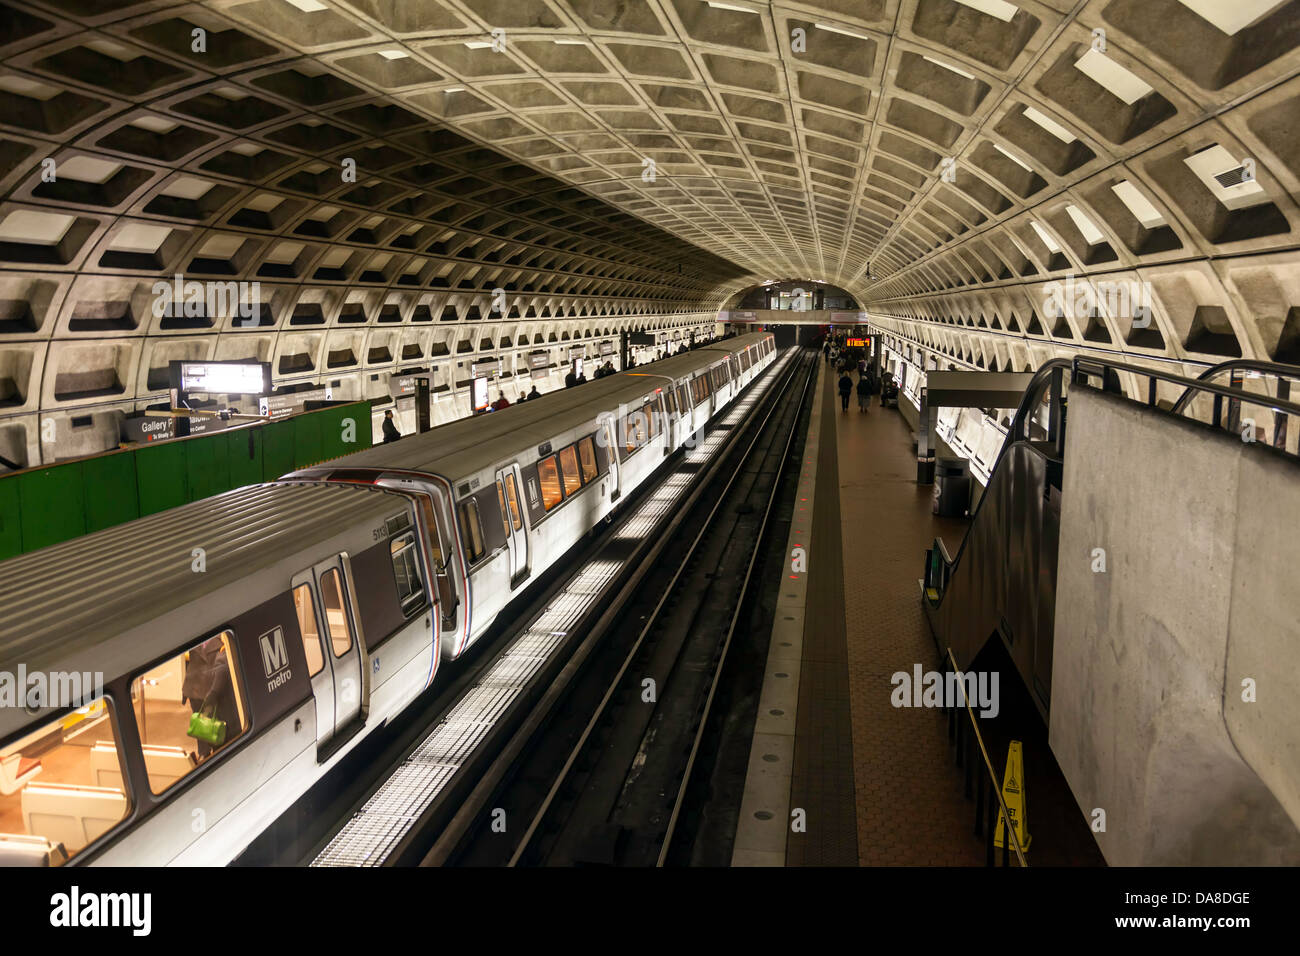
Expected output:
(606, 348)
(539, 364)
(145, 429)
(485, 367)
(848, 316)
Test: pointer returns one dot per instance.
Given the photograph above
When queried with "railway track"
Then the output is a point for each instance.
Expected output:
(612, 774)
(387, 806)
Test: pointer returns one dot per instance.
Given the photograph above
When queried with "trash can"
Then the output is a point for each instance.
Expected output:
(951, 487)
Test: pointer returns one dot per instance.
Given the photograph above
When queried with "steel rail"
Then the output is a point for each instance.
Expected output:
(651, 620)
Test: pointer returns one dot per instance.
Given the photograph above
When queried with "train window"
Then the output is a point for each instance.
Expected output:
(62, 785)
(683, 399)
(548, 476)
(670, 402)
(569, 469)
(651, 414)
(336, 612)
(406, 570)
(512, 496)
(472, 526)
(505, 512)
(309, 629)
(587, 452)
(190, 707)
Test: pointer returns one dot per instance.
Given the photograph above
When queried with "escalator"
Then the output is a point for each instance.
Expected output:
(1141, 579)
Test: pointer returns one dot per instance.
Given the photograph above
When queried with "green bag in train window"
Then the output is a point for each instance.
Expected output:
(207, 727)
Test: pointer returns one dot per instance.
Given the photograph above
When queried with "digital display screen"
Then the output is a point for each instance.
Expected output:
(479, 393)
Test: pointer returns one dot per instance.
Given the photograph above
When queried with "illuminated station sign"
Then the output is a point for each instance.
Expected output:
(222, 378)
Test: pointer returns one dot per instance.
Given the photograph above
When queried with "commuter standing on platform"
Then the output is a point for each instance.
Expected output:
(534, 394)
(570, 380)
(390, 428)
(864, 393)
(846, 386)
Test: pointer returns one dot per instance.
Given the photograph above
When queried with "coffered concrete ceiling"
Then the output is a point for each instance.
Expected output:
(940, 159)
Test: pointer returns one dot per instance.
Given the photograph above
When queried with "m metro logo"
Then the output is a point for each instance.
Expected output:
(275, 658)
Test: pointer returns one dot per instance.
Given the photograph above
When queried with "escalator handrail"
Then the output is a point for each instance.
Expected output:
(1280, 369)
(1029, 403)
(1088, 365)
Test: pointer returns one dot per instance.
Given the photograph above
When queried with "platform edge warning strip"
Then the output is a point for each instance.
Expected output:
(763, 822)
(822, 783)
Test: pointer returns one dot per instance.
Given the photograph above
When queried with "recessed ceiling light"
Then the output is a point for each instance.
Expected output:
(569, 42)
(994, 8)
(1052, 245)
(1091, 234)
(1049, 124)
(308, 6)
(478, 44)
(1104, 71)
(454, 89)
(1142, 209)
(394, 54)
(949, 66)
(841, 30)
(1015, 159)
(728, 6)
(1232, 17)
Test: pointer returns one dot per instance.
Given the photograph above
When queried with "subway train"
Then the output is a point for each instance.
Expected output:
(190, 674)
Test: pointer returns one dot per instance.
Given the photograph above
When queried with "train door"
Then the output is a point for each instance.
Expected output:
(665, 420)
(335, 651)
(610, 424)
(446, 591)
(508, 485)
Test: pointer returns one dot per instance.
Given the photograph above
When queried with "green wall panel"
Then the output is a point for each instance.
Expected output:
(243, 456)
(53, 505)
(43, 506)
(277, 448)
(207, 470)
(110, 489)
(161, 477)
(11, 528)
(307, 448)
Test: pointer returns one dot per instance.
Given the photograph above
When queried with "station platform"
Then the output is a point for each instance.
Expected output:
(877, 781)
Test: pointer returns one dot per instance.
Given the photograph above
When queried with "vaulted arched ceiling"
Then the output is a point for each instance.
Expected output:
(616, 162)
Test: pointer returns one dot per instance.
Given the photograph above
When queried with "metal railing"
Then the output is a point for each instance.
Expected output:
(1087, 369)
(968, 744)
(1284, 374)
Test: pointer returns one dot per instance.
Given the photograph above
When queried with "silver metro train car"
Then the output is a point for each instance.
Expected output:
(184, 678)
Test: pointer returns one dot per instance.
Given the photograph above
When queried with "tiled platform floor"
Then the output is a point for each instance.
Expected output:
(871, 526)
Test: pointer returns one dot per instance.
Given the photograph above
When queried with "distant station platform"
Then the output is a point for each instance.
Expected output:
(869, 783)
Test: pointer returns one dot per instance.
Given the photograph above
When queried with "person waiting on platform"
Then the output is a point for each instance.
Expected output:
(571, 379)
(390, 428)
(864, 393)
(534, 394)
(846, 386)
(501, 402)
(826, 351)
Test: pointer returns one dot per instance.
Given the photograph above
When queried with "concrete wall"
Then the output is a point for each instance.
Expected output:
(1199, 592)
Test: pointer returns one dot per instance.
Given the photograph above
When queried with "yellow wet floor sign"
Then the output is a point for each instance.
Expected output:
(1013, 795)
